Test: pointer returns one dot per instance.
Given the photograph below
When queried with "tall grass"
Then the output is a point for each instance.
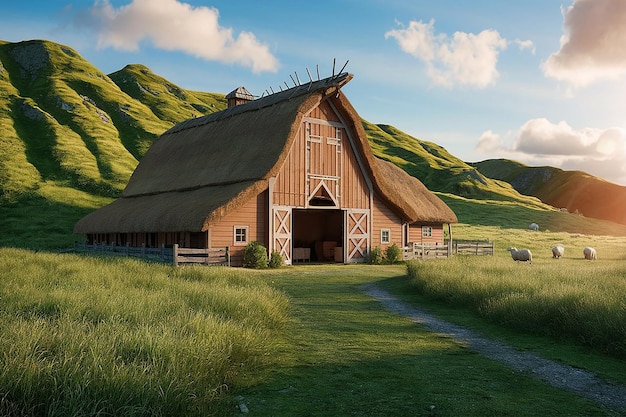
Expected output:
(566, 298)
(87, 336)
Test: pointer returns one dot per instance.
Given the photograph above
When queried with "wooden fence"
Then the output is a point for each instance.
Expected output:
(475, 247)
(174, 255)
(430, 251)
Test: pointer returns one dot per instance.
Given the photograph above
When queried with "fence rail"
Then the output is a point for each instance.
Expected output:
(480, 247)
(430, 251)
(174, 255)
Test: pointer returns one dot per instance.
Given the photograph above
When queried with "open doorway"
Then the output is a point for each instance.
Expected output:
(321, 232)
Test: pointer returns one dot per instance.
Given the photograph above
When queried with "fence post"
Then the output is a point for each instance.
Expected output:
(227, 255)
(175, 254)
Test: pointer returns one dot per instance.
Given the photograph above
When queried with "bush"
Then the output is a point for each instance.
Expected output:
(375, 256)
(276, 260)
(254, 255)
(393, 254)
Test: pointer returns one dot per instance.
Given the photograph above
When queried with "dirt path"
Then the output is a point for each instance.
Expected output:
(558, 375)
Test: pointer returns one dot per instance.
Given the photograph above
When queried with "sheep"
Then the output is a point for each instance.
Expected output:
(590, 253)
(523, 255)
(558, 251)
(533, 226)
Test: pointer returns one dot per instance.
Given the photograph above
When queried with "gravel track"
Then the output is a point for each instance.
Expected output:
(558, 375)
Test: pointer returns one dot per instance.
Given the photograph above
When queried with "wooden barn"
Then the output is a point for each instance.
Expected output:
(292, 170)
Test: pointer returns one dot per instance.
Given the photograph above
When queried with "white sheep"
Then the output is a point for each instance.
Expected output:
(533, 226)
(523, 255)
(558, 251)
(590, 253)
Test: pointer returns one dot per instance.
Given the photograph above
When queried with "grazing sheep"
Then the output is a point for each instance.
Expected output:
(558, 251)
(523, 255)
(590, 253)
(533, 226)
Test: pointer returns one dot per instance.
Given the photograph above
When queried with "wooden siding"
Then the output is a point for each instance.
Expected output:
(290, 186)
(321, 156)
(384, 218)
(354, 189)
(252, 214)
(415, 234)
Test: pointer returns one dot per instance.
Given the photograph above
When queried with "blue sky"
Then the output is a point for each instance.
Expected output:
(542, 82)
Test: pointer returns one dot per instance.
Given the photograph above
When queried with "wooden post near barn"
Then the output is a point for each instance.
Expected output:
(175, 254)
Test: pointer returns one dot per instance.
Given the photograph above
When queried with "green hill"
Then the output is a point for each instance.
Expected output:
(574, 191)
(66, 123)
(71, 136)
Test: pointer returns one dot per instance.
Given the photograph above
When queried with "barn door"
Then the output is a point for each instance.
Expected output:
(357, 234)
(281, 227)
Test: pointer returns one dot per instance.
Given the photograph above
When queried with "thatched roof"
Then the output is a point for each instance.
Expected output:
(201, 169)
(408, 195)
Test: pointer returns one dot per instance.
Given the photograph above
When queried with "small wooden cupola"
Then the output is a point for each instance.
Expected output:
(238, 96)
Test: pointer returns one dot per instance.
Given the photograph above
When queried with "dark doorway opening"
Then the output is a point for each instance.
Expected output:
(320, 230)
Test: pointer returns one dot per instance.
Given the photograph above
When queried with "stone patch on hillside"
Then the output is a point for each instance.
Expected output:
(31, 57)
(33, 113)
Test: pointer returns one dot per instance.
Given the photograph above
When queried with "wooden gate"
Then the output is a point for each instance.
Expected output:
(357, 234)
(281, 227)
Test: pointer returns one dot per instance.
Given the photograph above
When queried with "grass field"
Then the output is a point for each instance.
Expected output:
(99, 336)
(346, 355)
(85, 336)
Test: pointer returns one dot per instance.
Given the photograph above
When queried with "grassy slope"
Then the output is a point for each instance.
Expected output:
(576, 191)
(438, 169)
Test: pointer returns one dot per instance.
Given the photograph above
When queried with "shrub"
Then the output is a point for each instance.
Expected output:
(375, 256)
(393, 254)
(254, 255)
(276, 260)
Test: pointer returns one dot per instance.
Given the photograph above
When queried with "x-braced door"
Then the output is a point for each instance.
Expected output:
(281, 219)
(357, 234)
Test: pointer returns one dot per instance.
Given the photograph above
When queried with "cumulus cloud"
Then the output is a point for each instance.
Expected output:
(592, 47)
(600, 152)
(176, 26)
(489, 142)
(463, 59)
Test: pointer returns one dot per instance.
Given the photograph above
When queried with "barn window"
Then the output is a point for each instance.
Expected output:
(241, 236)
(427, 231)
(385, 236)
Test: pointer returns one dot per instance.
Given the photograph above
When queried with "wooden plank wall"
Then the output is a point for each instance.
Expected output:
(415, 234)
(384, 218)
(253, 214)
(290, 188)
(290, 185)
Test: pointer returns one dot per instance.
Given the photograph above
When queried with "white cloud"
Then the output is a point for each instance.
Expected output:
(527, 44)
(173, 25)
(592, 47)
(541, 137)
(464, 59)
(489, 142)
(600, 152)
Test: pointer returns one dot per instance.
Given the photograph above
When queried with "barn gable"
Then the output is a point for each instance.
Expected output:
(293, 170)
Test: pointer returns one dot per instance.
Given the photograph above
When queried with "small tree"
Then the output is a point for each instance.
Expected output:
(276, 260)
(392, 254)
(255, 255)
